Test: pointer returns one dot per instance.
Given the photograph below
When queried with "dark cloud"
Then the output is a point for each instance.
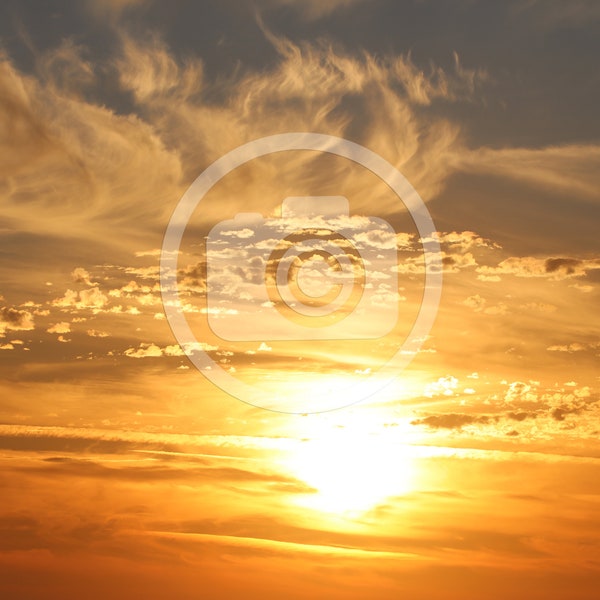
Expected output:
(453, 420)
(521, 416)
(568, 265)
(15, 319)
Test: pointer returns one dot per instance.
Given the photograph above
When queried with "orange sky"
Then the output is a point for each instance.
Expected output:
(126, 472)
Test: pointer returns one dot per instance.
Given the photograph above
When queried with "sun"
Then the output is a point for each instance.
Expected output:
(352, 470)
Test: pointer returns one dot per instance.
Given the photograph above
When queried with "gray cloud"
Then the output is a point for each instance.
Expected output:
(15, 319)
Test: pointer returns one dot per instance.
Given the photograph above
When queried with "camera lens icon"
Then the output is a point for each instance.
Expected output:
(318, 287)
(306, 275)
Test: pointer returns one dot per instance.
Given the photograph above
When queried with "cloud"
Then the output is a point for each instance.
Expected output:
(62, 327)
(476, 302)
(452, 421)
(14, 319)
(90, 299)
(96, 333)
(285, 97)
(573, 347)
(80, 275)
(144, 351)
(151, 72)
(151, 350)
(75, 439)
(443, 386)
(70, 161)
(578, 402)
(464, 241)
(571, 169)
(550, 268)
(479, 305)
(519, 391)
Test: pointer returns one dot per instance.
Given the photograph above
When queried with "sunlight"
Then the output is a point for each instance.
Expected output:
(352, 472)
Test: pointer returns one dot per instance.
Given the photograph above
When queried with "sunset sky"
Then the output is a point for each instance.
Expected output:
(126, 472)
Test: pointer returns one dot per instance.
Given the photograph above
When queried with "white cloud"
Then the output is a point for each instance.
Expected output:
(243, 234)
(443, 386)
(519, 391)
(92, 299)
(80, 275)
(96, 333)
(62, 327)
(144, 351)
(152, 350)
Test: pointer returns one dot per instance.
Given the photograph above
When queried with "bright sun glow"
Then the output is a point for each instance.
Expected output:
(352, 472)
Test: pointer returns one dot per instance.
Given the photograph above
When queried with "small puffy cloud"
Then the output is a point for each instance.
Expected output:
(91, 299)
(151, 350)
(519, 391)
(80, 275)
(96, 333)
(497, 309)
(540, 306)
(243, 234)
(154, 253)
(144, 351)
(62, 327)
(476, 302)
(465, 240)
(453, 263)
(14, 319)
(192, 347)
(381, 239)
(443, 386)
(264, 348)
(174, 350)
(573, 347)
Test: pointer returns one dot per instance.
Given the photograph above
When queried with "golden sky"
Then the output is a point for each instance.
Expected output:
(126, 472)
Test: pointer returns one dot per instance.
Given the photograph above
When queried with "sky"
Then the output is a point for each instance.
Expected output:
(134, 459)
